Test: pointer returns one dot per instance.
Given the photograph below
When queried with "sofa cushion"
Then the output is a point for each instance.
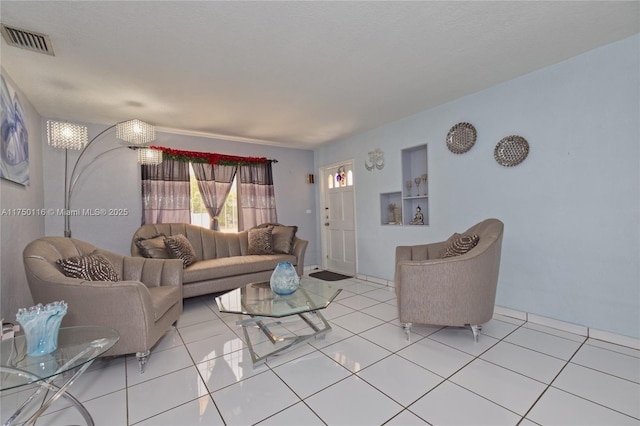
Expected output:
(179, 247)
(261, 240)
(235, 265)
(283, 238)
(152, 247)
(91, 267)
(459, 244)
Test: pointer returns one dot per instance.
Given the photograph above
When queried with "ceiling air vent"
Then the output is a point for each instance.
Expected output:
(29, 40)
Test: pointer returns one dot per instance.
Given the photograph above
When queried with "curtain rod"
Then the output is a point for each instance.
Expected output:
(210, 157)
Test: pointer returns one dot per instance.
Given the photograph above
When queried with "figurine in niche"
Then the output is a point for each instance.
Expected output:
(418, 219)
(391, 220)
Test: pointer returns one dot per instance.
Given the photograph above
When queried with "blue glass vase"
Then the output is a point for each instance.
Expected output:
(284, 279)
(41, 325)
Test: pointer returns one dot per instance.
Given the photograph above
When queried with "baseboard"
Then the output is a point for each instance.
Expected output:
(580, 330)
(376, 280)
(512, 313)
(310, 268)
(617, 339)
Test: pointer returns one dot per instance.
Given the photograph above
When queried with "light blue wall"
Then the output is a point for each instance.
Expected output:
(113, 182)
(571, 209)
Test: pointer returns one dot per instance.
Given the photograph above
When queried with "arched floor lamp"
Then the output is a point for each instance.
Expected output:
(72, 136)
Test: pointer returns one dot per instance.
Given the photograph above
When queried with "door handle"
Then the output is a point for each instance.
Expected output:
(326, 224)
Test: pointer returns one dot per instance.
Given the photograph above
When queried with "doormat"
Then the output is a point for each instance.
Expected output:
(329, 276)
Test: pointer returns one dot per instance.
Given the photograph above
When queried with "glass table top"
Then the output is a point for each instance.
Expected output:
(257, 299)
(76, 346)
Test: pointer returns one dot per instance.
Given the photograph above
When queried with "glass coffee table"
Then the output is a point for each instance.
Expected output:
(77, 348)
(282, 322)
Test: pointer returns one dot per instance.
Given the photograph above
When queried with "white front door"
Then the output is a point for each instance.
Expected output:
(338, 219)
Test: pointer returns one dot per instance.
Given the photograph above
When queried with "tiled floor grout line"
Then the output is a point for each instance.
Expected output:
(195, 365)
(351, 373)
(476, 357)
(301, 399)
(593, 369)
(445, 379)
(549, 385)
(272, 369)
(392, 351)
(395, 352)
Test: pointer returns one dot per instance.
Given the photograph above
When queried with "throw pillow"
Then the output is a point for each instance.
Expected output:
(91, 267)
(261, 240)
(459, 244)
(283, 238)
(179, 247)
(152, 247)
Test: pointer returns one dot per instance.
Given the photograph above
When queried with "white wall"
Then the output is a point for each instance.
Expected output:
(113, 182)
(571, 209)
(17, 231)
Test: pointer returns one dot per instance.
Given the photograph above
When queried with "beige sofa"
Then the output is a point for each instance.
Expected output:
(452, 291)
(141, 306)
(223, 259)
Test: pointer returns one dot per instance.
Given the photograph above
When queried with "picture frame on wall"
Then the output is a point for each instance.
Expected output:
(14, 138)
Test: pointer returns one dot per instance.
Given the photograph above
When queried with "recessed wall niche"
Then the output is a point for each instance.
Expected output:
(414, 194)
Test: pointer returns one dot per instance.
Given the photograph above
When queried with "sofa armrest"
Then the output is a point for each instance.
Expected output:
(151, 272)
(299, 250)
(106, 303)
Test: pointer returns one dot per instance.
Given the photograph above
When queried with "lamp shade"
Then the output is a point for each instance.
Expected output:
(136, 132)
(66, 135)
(149, 156)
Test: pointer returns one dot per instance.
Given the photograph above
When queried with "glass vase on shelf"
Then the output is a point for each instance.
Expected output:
(417, 181)
(424, 179)
(408, 184)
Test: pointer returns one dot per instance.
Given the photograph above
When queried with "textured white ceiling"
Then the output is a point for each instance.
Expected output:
(290, 73)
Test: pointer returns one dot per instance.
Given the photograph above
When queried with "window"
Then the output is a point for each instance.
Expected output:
(199, 215)
(228, 218)
(340, 178)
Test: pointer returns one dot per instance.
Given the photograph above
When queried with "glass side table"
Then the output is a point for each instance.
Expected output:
(77, 348)
(271, 313)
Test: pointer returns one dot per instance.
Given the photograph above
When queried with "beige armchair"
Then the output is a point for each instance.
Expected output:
(141, 307)
(453, 291)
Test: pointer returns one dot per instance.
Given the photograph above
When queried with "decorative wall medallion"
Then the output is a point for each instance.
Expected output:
(376, 160)
(461, 138)
(511, 151)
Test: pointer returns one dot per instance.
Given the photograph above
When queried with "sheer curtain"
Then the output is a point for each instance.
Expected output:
(214, 183)
(256, 195)
(166, 196)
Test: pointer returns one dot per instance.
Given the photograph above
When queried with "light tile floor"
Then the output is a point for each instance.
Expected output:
(364, 372)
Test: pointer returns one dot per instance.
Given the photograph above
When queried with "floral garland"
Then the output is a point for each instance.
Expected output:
(207, 157)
